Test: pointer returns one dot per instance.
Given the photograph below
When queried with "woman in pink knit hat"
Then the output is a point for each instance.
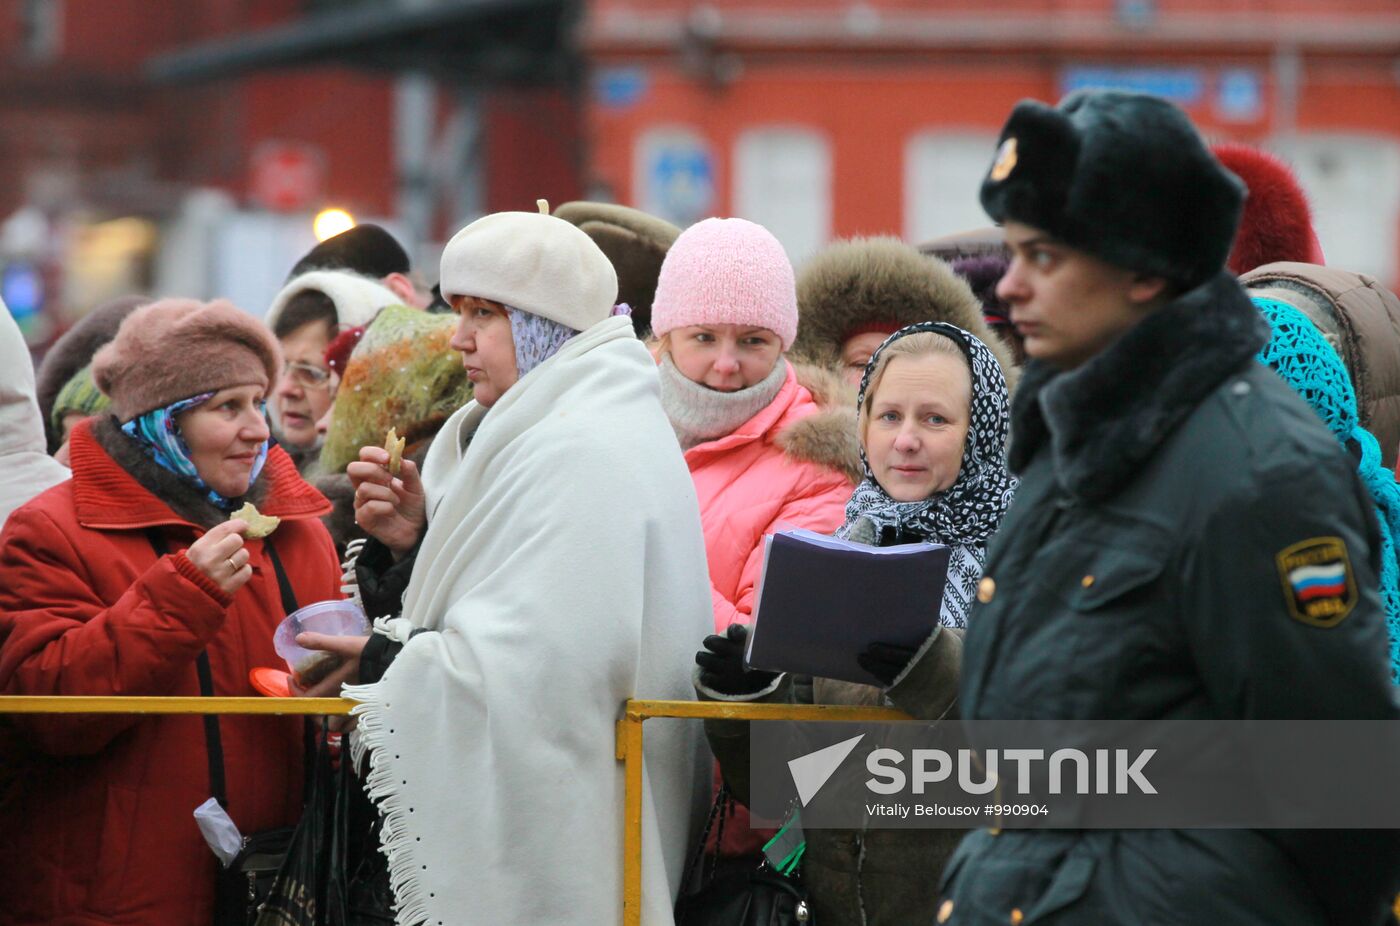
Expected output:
(764, 453)
(131, 579)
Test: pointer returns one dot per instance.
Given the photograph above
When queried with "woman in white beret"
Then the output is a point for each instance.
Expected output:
(558, 569)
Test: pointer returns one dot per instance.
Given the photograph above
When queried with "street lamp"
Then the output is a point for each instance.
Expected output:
(331, 222)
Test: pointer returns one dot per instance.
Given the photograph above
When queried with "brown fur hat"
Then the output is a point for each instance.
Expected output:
(74, 351)
(635, 242)
(177, 348)
(862, 281)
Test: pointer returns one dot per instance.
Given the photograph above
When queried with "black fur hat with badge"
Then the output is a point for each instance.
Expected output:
(1122, 176)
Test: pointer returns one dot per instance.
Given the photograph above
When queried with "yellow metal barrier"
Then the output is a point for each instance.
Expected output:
(79, 704)
(629, 739)
(629, 750)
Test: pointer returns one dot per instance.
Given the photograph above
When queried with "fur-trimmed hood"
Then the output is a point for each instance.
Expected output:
(861, 281)
(1105, 419)
(828, 438)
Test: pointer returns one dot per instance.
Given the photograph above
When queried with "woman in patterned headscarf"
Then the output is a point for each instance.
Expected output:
(934, 417)
(1306, 360)
(942, 481)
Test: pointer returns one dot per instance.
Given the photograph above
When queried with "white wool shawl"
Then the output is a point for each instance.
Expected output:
(564, 565)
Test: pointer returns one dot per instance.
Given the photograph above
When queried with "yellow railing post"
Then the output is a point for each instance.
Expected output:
(629, 751)
(629, 730)
(82, 704)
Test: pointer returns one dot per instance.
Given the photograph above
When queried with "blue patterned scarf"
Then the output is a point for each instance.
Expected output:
(159, 435)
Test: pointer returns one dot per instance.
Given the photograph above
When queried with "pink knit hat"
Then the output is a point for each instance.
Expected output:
(726, 272)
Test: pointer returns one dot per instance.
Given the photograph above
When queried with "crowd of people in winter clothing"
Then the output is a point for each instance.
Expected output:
(1119, 408)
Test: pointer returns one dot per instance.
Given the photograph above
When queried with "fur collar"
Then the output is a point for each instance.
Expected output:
(117, 486)
(1104, 420)
(829, 437)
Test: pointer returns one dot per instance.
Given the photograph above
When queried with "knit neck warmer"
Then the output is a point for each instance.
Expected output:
(159, 436)
(699, 413)
(965, 515)
(1299, 353)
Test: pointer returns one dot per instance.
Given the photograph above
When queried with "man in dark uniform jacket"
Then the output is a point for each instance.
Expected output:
(1177, 504)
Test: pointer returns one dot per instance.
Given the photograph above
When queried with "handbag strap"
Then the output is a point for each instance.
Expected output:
(289, 597)
(718, 807)
(213, 738)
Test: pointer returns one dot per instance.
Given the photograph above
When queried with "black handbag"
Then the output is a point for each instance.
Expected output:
(747, 897)
(359, 892)
(294, 893)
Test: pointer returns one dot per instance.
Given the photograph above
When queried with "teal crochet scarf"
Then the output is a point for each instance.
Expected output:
(1302, 356)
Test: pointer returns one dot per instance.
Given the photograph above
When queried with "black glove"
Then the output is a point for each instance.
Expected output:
(886, 661)
(722, 668)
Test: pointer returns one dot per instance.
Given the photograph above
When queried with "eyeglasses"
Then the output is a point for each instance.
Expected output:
(307, 375)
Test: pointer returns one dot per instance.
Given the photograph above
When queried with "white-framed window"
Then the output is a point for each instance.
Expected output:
(782, 181)
(943, 173)
(1353, 186)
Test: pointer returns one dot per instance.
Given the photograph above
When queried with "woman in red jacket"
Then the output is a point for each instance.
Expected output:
(116, 582)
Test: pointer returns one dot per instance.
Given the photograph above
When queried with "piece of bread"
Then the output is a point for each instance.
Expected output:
(259, 525)
(395, 444)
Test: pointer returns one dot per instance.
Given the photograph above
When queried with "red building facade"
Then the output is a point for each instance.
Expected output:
(829, 119)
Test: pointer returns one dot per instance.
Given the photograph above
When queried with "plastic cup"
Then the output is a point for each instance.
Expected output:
(342, 618)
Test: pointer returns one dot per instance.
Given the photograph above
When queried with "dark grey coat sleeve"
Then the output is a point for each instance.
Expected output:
(928, 686)
(1257, 659)
(729, 739)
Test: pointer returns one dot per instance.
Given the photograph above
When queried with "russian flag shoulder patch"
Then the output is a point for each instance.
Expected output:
(1318, 585)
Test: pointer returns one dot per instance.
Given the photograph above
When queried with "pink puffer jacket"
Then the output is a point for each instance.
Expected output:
(791, 465)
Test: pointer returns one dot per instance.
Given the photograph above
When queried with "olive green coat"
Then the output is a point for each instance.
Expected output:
(870, 877)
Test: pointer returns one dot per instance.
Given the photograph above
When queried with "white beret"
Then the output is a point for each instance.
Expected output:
(534, 262)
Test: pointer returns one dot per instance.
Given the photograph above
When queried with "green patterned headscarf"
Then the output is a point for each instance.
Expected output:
(79, 394)
(404, 375)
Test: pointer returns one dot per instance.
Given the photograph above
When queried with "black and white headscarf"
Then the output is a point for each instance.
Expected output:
(966, 514)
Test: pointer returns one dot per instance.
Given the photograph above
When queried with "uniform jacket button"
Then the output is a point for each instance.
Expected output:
(1017, 916)
(1087, 581)
(986, 589)
(945, 911)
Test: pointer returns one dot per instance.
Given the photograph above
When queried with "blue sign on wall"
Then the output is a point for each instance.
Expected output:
(1240, 95)
(620, 88)
(679, 178)
(1183, 86)
(22, 289)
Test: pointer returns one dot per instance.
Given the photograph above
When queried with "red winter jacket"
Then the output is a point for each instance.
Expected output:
(97, 822)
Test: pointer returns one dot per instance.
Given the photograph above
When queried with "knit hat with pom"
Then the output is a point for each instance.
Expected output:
(176, 348)
(1277, 221)
(726, 272)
